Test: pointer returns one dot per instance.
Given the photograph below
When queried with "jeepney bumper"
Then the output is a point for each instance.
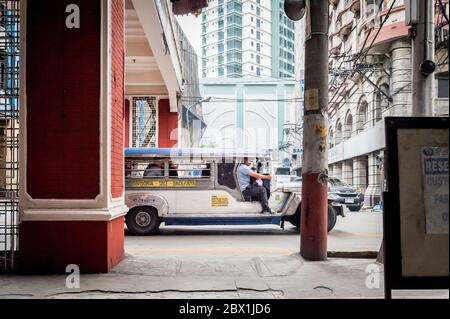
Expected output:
(341, 209)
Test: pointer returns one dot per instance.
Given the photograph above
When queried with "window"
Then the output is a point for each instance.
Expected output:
(258, 71)
(381, 101)
(258, 47)
(234, 44)
(225, 175)
(234, 69)
(442, 85)
(258, 35)
(258, 10)
(258, 59)
(234, 18)
(221, 72)
(234, 31)
(258, 23)
(372, 7)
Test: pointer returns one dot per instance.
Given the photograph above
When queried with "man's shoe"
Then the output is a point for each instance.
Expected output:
(268, 212)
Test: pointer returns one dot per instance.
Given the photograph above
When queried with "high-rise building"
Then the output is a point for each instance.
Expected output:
(245, 38)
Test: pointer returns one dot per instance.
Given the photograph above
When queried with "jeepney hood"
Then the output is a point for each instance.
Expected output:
(291, 187)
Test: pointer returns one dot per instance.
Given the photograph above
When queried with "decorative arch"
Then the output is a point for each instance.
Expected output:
(381, 102)
(362, 114)
(338, 130)
(348, 126)
(330, 137)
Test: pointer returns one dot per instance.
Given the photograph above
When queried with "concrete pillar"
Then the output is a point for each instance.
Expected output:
(347, 171)
(401, 55)
(330, 170)
(359, 173)
(372, 195)
(72, 137)
(338, 170)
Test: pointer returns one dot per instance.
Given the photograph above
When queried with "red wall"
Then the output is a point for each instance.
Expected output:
(167, 123)
(49, 246)
(63, 94)
(117, 90)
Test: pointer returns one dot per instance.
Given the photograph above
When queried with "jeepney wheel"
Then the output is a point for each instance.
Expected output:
(143, 220)
(332, 218)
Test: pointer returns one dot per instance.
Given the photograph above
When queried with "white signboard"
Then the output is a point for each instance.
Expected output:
(435, 188)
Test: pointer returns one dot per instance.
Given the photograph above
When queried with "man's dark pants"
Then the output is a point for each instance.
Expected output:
(257, 193)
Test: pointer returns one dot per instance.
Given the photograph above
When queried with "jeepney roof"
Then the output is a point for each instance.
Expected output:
(196, 153)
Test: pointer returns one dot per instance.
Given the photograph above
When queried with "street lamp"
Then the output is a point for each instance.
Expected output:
(188, 110)
(295, 9)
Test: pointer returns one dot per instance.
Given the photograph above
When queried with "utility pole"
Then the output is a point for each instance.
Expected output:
(422, 21)
(314, 211)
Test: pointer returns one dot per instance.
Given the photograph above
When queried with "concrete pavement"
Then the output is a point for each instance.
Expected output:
(227, 262)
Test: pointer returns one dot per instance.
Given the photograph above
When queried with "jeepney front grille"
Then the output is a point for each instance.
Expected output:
(347, 194)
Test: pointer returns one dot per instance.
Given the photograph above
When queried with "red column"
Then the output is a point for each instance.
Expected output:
(72, 115)
(167, 125)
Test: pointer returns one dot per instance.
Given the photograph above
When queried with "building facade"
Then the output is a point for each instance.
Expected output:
(247, 38)
(370, 78)
(248, 113)
(158, 76)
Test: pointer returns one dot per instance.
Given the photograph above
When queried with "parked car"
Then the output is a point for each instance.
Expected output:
(343, 193)
(338, 192)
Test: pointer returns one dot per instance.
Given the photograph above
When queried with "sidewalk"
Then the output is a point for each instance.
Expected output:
(282, 276)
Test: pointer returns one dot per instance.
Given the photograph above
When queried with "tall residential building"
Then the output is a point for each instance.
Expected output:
(245, 38)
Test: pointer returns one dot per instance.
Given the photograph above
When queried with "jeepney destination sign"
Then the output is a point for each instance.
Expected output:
(435, 188)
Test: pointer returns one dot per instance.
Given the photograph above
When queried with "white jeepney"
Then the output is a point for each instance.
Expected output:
(200, 187)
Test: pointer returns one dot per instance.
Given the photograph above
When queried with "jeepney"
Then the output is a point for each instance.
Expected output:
(200, 187)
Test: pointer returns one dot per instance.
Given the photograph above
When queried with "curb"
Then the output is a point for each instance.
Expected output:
(353, 254)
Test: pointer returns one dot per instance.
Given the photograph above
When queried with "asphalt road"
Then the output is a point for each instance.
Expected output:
(361, 231)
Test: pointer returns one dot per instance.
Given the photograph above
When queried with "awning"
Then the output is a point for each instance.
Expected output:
(181, 7)
(189, 115)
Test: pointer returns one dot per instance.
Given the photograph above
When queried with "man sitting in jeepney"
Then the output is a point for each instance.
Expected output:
(255, 192)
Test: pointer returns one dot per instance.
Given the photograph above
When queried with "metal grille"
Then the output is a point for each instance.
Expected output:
(144, 122)
(9, 131)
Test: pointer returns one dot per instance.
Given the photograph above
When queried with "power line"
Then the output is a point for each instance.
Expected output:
(371, 44)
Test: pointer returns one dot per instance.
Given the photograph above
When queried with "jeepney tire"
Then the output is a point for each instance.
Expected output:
(149, 217)
(332, 217)
(296, 221)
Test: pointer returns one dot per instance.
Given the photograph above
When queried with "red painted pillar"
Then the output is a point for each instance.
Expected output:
(72, 120)
(167, 125)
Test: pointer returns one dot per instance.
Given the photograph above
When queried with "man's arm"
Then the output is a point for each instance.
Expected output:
(256, 175)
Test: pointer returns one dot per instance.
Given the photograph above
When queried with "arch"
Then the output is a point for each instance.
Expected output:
(330, 137)
(362, 114)
(381, 102)
(348, 126)
(338, 132)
